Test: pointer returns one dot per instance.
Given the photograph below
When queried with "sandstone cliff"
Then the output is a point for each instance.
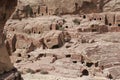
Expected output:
(51, 37)
(6, 9)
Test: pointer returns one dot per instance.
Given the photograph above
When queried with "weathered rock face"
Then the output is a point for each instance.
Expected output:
(69, 60)
(82, 6)
(107, 57)
(49, 7)
(65, 45)
(62, 6)
(113, 5)
(6, 9)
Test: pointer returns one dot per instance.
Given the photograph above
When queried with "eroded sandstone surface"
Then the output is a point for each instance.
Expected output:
(30, 8)
(64, 39)
(68, 46)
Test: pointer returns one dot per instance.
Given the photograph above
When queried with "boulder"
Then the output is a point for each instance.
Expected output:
(55, 39)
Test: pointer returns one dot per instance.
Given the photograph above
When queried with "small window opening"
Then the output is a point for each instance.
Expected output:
(66, 26)
(28, 56)
(110, 24)
(68, 56)
(89, 64)
(19, 55)
(84, 16)
(95, 19)
(74, 61)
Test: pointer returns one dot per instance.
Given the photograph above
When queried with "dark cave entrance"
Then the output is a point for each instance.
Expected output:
(110, 76)
(74, 61)
(68, 56)
(110, 24)
(19, 55)
(66, 26)
(28, 56)
(85, 72)
(84, 16)
(118, 25)
(55, 47)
